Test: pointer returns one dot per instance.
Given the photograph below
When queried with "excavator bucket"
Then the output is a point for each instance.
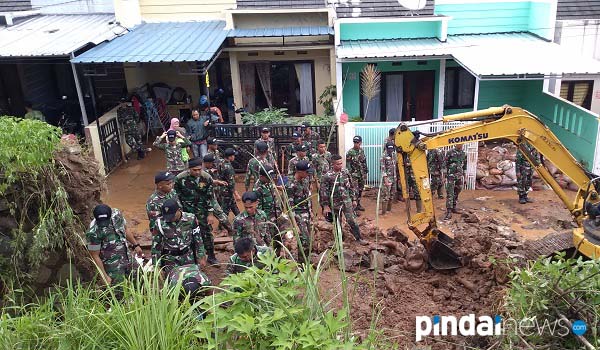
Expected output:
(441, 255)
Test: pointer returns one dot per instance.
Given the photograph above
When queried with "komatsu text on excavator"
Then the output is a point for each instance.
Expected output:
(520, 127)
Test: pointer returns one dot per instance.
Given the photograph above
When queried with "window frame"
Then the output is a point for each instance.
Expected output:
(587, 102)
(456, 87)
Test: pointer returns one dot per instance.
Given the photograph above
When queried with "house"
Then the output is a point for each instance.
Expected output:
(38, 39)
(452, 56)
(578, 30)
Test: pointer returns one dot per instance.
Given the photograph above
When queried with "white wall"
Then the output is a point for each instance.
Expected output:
(73, 6)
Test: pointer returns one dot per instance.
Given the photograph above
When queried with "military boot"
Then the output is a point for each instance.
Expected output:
(141, 154)
(419, 205)
(522, 199)
(212, 259)
(359, 207)
(529, 200)
(383, 208)
(448, 214)
(455, 210)
(357, 236)
(389, 205)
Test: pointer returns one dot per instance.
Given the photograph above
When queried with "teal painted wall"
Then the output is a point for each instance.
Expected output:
(498, 17)
(351, 78)
(576, 128)
(390, 30)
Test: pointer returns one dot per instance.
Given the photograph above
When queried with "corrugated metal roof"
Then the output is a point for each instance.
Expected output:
(381, 8)
(161, 42)
(485, 55)
(56, 35)
(277, 32)
(578, 9)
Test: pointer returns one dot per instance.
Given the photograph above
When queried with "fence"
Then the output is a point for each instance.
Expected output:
(242, 137)
(373, 135)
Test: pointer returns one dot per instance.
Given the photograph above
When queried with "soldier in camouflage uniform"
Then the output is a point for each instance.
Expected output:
(337, 196)
(321, 159)
(213, 148)
(164, 191)
(356, 162)
(291, 148)
(301, 151)
(176, 239)
(270, 203)
(389, 181)
(172, 148)
(252, 222)
(390, 139)
(265, 136)
(107, 240)
(193, 281)
(227, 175)
(300, 204)
(209, 165)
(525, 172)
(195, 190)
(435, 163)
(128, 118)
(261, 159)
(310, 137)
(246, 255)
(456, 164)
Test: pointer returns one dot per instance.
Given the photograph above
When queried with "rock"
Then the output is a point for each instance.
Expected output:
(53, 258)
(470, 218)
(44, 275)
(377, 260)
(416, 258)
(495, 171)
(393, 269)
(67, 272)
(398, 234)
(440, 295)
(394, 248)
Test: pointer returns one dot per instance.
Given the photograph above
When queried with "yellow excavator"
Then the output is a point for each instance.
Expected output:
(520, 127)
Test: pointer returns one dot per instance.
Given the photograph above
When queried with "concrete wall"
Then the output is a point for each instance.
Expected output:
(278, 20)
(184, 10)
(168, 73)
(396, 29)
(488, 16)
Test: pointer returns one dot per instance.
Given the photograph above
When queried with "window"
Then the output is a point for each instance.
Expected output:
(578, 92)
(459, 90)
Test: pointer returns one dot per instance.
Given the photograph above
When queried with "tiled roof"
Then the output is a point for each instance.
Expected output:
(382, 8)
(578, 9)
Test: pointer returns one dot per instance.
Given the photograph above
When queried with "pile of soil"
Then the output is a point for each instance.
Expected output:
(404, 287)
(78, 174)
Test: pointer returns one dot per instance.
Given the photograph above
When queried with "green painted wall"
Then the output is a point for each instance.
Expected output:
(497, 17)
(496, 93)
(390, 30)
(456, 111)
(351, 78)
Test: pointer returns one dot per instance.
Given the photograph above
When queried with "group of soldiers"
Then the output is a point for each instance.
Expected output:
(179, 208)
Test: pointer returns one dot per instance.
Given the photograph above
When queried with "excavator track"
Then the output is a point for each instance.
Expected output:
(547, 246)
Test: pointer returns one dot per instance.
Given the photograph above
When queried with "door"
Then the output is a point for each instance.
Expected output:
(418, 95)
(11, 94)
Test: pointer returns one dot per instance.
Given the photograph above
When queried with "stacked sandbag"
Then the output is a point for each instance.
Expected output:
(496, 169)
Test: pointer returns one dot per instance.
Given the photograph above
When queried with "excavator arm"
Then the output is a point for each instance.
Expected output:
(511, 123)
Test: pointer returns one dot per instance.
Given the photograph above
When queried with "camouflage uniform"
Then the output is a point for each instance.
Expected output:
(322, 163)
(312, 140)
(412, 183)
(188, 272)
(292, 164)
(155, 203)
(197, 197)
(227, 174)
(218, 157)
(456, 164)
(254, 166)
(128, 118)
(300, 203)
(291, 149)
(174, 161)
(112, 244)
(356, 163)
(388, 140)
(177, 243)
(337, 193)
(256, 226)
(271, 206)
(524, 170)
(237, 265)
(271, 143)
(435, 163)
(389, 170)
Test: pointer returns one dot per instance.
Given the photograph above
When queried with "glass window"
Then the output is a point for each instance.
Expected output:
(459, 89)
(578, 92)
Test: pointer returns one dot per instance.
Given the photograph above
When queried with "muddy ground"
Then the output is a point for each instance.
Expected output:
(491, 223)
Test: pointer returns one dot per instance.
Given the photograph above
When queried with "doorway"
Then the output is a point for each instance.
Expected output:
(11, 94)
(408, 96)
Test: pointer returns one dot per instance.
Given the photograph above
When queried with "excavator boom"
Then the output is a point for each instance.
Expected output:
(511, 123)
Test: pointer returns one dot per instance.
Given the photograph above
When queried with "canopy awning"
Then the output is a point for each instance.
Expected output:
(161, 42)
(487, 56)
(56, 35)
(279, 32)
